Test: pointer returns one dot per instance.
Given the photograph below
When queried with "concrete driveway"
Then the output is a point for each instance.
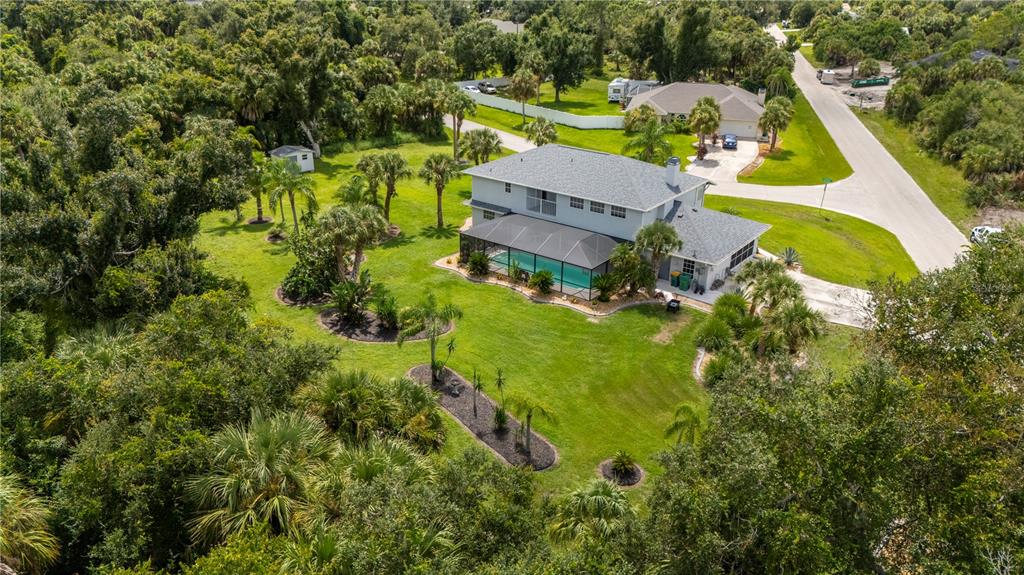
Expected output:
(879, 191)
(511, 141)
(721, 165)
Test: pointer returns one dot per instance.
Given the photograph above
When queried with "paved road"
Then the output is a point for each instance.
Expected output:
(879, 191)
(508, 140)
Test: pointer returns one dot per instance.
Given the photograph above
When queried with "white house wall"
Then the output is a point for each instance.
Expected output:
(305, 165)
(493, 192)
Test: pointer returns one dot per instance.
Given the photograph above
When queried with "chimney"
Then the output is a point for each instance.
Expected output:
(760, 96)
(672, 171)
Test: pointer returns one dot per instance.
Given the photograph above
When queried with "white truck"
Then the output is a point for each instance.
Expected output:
(827, 76)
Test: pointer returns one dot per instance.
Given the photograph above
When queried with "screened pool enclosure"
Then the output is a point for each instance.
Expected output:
(573, 256)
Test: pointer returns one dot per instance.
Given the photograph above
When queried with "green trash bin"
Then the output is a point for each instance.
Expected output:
(675, 279)
(684, 283)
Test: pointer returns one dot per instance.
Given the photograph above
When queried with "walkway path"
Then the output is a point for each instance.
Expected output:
(508, 140)
(879, 191)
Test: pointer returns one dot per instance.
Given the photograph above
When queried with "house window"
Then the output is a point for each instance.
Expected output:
(618, 212)
(688, 266)
(576, 203)
(597, 207)
(488, 215)
(508, 188)
(305, 156)
(741, 255)
(540, 201)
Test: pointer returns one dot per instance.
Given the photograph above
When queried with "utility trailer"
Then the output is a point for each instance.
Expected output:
(868, 82)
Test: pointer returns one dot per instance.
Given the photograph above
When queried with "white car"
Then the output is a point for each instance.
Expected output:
(980, 234)
(471, 89)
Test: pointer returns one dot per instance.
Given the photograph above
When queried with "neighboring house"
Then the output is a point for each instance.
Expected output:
(565, 209)
(741, 110)
(300, 155)
(975, 56)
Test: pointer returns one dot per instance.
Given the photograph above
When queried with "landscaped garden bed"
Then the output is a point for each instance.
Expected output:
(592, 307)
(630, 477)
(456, 396)
(281, 297)
(370, 329)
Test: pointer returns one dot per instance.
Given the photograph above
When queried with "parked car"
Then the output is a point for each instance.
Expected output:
(729, 142)
(980, 234)
(471, 89)
(487, 88)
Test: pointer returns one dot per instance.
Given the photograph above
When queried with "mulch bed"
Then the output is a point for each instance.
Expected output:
(371, 330)
(279, 294)
(631, 480)
(393, 231)
(457, 398)
(276, 238)
(257, 221)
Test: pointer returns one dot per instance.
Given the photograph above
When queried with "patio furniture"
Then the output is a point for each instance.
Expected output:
(672, 306)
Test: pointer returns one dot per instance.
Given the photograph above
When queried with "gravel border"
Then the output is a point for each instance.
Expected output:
(456, 397)
(604, 469)
(371, 331)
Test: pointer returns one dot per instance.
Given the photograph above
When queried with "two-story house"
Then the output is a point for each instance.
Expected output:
(565, 209)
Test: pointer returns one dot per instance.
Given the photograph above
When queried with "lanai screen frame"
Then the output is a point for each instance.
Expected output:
(499, 263)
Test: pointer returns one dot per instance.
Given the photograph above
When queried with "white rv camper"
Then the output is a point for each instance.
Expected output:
(621, 89)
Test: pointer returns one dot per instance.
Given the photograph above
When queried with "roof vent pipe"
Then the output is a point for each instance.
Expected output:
(761, 94)
(672, 171)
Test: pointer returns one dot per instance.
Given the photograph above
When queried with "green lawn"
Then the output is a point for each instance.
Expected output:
(840, 249)
(804, 155)
(943, 183)
(610, 141)
(838, 350)
(617, 392)
(808, 52)
(590, 99)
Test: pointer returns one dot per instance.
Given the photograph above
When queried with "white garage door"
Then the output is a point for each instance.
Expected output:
(739, 128)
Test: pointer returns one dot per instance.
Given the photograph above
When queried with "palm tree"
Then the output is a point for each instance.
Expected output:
(756, 272)
(541, 131)
(660, 238)
(777, 290)
(353, 227)
(704, 119)
(478, 388)
(258, 184)
(522, 87)
(776, 116)
(349, 402)
(369, 165)
(433, 319)
(592, 513)
(778, 83)
(649, 143)
(685, 421)
(798, 322)
(26, 543)
(291, 182)
(486, 143)
(457, 104)
(438, 170)
(259, 475)
(273, 171)
(393, 167)
(525, 409)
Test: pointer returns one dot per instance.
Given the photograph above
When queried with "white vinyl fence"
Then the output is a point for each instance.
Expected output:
(557, 116)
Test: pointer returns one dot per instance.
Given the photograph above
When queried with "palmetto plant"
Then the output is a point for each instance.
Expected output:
(659, 238)
(526, 408)
(351, 403)
(623, 464)
(790, 257)
(433, 319)
(797, 323)
(686, 422)
(393, 167)
(541, 131)
(259, 475)
(649, 143)
(776, 116)
(591, 513)
(353, 228)
(26, 543)
(754, 273)
(438, 170)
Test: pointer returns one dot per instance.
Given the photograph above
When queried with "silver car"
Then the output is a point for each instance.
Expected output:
(980, 234)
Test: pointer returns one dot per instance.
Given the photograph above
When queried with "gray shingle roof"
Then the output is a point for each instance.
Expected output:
(608, 178)
(560, 242)
(709, 236)
(680, 97)
(283, 151)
